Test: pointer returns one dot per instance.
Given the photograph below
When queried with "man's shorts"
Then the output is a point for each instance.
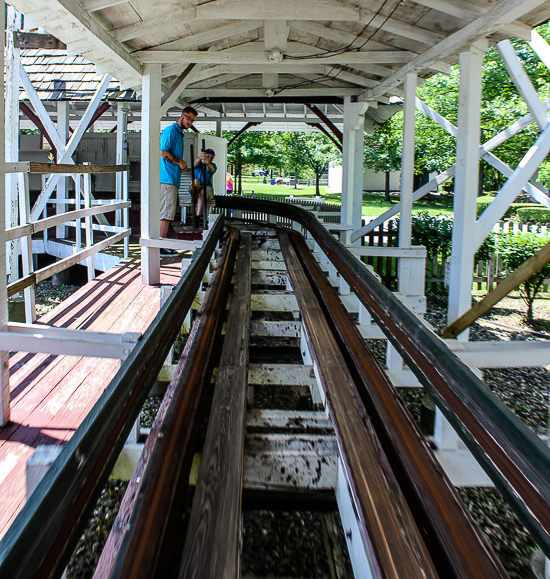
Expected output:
(168, 198)
(209, 193)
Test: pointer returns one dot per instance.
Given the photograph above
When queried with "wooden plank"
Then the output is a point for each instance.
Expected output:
(35, 40)
(508, 284)
(383, 512)
(68, 169)
(293, 374)
(213, 537)
(289, 420)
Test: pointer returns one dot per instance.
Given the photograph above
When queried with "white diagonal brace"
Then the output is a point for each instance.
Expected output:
(41, 110)
(499, 16)
(71, 146)
(436, 117)
(125, 33)
(522, 82)
(491, 144)
(523, 172)
(541, 47)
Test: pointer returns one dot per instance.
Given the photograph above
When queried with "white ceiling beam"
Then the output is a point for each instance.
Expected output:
(400, 28)
(505, 12)
(469, 11)
(349, 77)
(276, 35)
(72, 17)
(225, 56)
(177, 18)
(268, 119)
(209, 36)
(216, 80)
(260, 92)
(254, 10)
(281, 68)
(95, 5)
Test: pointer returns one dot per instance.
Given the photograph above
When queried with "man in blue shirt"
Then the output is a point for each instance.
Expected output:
(204, 161)
(171, 166)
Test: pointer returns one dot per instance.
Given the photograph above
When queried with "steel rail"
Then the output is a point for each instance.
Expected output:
(166, 477)
(515, 459)
(393, 540)
(457, 546)
(40, 541)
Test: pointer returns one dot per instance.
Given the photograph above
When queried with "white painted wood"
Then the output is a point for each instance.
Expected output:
(501, 354)
(26, 246)
(541, 47)
(62, 185)
(524, 171)
(445, 437)
(4, 358)
(280, 374)
(413, 252)
(466, 184)
(38, 465)
(291, 442)
(12, 65)
(88, 225)
(407, 164)
(150, 172)
(290, 470)
(499, 16)
(352, 163)
(178, 244)
(293, 420)
(523, 82)
(228, 56)
(462, 468)
(359, 547)
(70, 148)
(78, 201)
(435, 116)
(121, 152)
(94, 5)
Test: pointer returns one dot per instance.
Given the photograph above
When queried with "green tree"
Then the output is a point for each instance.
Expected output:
(515, 249)
(312, 150)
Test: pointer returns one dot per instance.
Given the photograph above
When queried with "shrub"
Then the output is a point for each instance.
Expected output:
(486, 200)
(533, 214)
(515, 249)
(432, 232)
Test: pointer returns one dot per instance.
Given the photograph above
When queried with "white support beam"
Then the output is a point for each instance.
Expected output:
(466, 183)
(499, 16)
(407, 164)
(210, 36)
(95, 5)
(70, 148)
(63, 18)
(513, 354)
(232, 57)
(259, 92)
(523, 82)
(12, 65)
(4, 355)
(63, 132)
(540, 46)
(121, 153)
(131, 31)
(26, 245)
(150, 172)
(352, 162)
(468, 11)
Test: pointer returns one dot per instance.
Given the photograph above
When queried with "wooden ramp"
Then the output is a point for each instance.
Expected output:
(51, 395)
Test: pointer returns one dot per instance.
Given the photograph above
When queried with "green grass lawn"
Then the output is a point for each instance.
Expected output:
(373, 204)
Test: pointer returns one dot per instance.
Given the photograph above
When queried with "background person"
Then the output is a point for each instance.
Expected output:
(228, 183)
(206, 158)
(171, 166)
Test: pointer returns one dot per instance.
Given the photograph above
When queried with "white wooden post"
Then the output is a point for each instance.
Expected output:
(218, 128)
(466, 183)
(150, 172)
(121, 153)
(4, 359)
(406, 272)
(352, 162)
(26, 245)
(78, 198)
(125, 214)
(88, 224)
(63, 130)
(466, 188)
(12, 136)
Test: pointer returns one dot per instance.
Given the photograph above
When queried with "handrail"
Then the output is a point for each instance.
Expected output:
(61, 168)
(515, 459)
(40, 540)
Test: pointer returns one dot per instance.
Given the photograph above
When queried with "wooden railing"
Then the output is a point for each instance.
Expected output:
(84, 209)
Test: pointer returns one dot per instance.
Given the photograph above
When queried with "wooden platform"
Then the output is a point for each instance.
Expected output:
(51, 395)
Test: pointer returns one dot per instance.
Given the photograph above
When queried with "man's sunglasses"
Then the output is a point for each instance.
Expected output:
(192, 119)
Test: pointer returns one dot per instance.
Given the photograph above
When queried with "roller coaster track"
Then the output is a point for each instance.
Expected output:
(407, 517)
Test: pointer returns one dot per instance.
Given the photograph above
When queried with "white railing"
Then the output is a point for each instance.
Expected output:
(85, 208)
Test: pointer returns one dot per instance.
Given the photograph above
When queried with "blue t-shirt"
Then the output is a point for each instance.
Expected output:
(198, 174)
(171, 139)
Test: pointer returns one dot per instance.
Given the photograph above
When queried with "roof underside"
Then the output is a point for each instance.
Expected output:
(228, 52)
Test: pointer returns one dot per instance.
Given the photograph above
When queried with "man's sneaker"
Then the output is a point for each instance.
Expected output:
(164, 252)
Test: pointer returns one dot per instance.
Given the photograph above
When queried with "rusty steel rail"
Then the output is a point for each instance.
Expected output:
(40, 541)
(395, 544)
(146, 542)
(515, 459)
(457, 547)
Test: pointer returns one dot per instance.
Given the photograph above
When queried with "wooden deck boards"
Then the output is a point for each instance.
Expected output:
(51, 395)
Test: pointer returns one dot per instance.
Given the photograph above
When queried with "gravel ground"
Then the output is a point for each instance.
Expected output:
(88, 550)
(47, 296)
(149, 411)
